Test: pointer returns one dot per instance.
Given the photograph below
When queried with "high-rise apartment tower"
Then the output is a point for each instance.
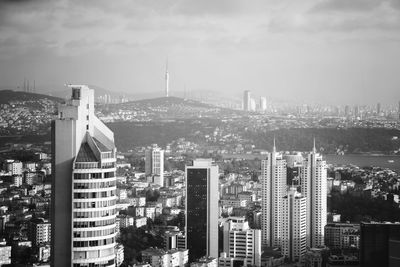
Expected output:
(273, 171)
(247, 100)
(294, 225)
(314, 187)
(154, 163)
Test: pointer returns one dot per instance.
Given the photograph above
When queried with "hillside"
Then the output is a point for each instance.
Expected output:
(25, 113)
(7, 96)
(166, 101)
(328, 140)
(163, 108)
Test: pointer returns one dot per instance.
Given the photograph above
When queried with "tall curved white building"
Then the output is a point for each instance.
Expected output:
(84, 185)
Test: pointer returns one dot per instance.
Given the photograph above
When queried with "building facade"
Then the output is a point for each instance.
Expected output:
(154, 164)
(165, 258)
(84, 184)
(342, 235)
(273, 174)
(313, 183)
(241, 244)
(247, 100)
(39, 231)
(294, 225)
(202, 209)
(380, 244)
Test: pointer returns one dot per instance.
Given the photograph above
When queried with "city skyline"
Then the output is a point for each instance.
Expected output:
(253, 206)
(145, 133)
(313, 51)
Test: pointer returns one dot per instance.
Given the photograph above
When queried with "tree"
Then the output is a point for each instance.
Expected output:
(152, 195)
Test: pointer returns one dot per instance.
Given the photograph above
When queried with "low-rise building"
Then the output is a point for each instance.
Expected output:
(342, 235)
(205, 262)
(162, 258)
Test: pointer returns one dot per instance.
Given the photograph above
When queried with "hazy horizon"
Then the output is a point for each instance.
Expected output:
(327, 51)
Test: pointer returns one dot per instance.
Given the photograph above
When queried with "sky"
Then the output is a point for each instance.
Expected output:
(319, 51)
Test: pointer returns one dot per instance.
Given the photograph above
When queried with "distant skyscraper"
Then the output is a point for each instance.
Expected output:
(83, 191)
(378, 108)
(252, 104)
(398, 110)
(241, 243)
(356, 111)
(202, 209)
(166, 81)
(247, 100)
(294, 225)
(273, 171)
(154, 163)
(263, 103)
(314, 187)
(347, 111)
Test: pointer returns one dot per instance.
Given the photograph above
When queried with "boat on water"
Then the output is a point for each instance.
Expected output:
(390, 161)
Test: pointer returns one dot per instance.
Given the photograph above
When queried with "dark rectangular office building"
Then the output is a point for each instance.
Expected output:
(380, 245)
(202, 209)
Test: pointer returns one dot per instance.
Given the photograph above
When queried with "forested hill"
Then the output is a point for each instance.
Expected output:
(8, 96)
(330, 140)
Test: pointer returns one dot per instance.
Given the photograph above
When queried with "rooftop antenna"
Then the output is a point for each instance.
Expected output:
(314, 148)
(166, 79)
(274, 148)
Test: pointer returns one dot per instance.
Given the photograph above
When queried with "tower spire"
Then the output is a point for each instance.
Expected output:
(314, 148)
(166, 79)
(274, 148)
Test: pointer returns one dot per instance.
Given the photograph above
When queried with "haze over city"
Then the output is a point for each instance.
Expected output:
(333, 52)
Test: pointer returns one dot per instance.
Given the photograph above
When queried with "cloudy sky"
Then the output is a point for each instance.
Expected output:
(327, 51)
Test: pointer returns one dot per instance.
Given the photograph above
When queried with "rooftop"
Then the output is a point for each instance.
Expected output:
(101, 146)
(86, 154)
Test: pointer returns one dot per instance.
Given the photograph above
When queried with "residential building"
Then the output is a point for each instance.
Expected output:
(241, 243)
(342, 235)
(39, 231)
(294, 226)
(154, 164)
(313, 182)
(5, 254)
(174, 239)
(205, 262)
(273, 175)
(162, 258)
